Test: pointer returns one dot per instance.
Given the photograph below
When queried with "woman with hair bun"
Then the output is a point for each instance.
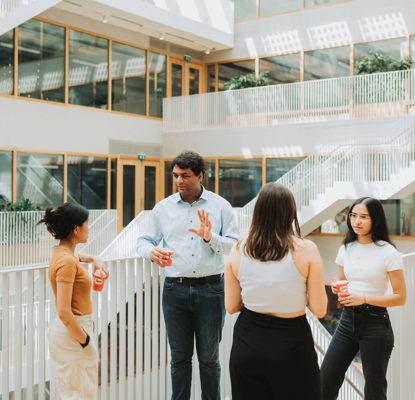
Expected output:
(369, 261)
(70, 334)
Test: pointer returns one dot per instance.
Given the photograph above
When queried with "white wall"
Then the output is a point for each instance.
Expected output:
(329, 245)
(320, 27)
(289, 139)
(34, 125)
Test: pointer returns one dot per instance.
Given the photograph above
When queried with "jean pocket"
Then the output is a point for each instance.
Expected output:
(217, 287)
(168, 285)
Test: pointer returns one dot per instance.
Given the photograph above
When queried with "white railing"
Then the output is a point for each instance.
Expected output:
(22, 242)
(135, 355)
(7, 6)
(123, 245)
(353, 97)
(402, 365)
(132, 293)
(357, 164)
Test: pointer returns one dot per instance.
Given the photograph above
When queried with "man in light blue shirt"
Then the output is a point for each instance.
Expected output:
(200, 227)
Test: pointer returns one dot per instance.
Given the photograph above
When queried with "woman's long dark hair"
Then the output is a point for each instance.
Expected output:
(271, 233)
(62, 220)
(379, 230)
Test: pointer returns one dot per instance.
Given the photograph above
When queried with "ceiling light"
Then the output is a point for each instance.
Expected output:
(207, 51)
(104, 19)
(161, 36)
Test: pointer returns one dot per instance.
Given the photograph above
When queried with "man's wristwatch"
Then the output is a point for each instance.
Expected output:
(83, 345)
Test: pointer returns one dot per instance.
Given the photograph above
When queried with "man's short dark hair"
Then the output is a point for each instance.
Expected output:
(190, 159)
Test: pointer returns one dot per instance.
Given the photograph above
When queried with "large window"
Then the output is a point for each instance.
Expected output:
(240, 180)
(228, 70)
(395, 48)
(128, 70)
(87, 181)
(6, 174)
(267, 7)
(157, 83)
(281, 69)
(41, 61)
(88, 70)
(277, 167)
(327, 63)
(6, 62)
(40, 178)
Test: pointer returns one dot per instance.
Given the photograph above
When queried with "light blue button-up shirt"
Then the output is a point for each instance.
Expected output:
(169, 223)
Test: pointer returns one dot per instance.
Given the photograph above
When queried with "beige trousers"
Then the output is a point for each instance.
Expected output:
(76, 367)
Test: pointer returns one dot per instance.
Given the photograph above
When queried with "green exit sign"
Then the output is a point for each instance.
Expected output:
(141, 156)
(187, 58)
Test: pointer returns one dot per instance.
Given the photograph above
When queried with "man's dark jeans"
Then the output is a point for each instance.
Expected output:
(189, 312)
(368, 329)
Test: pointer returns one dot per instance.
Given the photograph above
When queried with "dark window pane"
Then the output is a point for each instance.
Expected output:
(128, 70)
(281, 69)
(176, 79)
(87, 181)
(211, 76)
(228, 70)
(40, 178)
(6, 62)
(113, 184)
(327, 63)
(128, 194)
(240, 180)
(193, 80)
(209, 179)
(149, 187)
(88, 70)
(277, 167)
(41, 61)
(168, 179)
(157, 84)
(6, 174)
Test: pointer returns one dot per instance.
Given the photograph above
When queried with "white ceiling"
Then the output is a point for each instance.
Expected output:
(132, 22)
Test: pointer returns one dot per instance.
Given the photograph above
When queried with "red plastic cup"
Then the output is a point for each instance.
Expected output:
(169, 261)
(98, 280)
(341, 288)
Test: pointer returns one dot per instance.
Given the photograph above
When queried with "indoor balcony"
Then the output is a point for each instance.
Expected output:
(380, 95)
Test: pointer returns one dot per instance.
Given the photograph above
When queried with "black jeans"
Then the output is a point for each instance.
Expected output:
(273, 359)
(194, 312)
(368, 329)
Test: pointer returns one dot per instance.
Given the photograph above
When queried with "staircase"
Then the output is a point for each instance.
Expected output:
(15, 12)
(323, 185)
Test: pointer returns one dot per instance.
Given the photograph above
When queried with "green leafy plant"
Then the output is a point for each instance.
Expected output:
(247, 81)
(21, 205)
(378, 62)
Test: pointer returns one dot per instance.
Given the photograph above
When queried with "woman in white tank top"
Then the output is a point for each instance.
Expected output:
(368, 260)
(270, 278)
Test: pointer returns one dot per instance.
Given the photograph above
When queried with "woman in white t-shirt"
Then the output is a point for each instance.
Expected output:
(369, 261)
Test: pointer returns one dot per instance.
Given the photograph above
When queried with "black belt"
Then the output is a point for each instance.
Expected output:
(366, 307)
(195, 281)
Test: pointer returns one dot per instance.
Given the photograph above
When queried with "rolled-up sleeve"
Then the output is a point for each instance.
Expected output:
(151, 237)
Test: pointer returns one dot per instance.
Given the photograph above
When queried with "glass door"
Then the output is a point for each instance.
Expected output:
(194, 79)
(150, 185)
(127, 189)
(176, 81)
